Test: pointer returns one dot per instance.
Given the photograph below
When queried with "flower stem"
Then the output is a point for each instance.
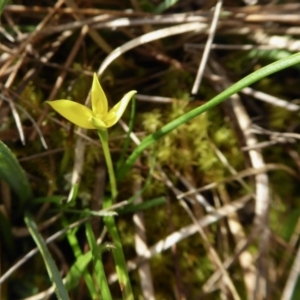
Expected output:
(103, 134)
(118, 254)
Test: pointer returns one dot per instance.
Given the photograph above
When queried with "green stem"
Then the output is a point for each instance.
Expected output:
(103, 134)
(118, 254)
(246, 81)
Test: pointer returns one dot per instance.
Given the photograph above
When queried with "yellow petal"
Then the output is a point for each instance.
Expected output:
(74, 112)
(117, 111)
(99, 100)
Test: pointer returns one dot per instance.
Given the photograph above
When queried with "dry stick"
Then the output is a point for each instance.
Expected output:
(64, 10)
(211, 34)
(270, 99)
(92, 33)
(246, 30)
(22, 47)
(25, 112)
(104, 21)
(145, 39)
(286, 256)
(61, 77)
(80, 145)
(21, 232)
(186, 232)
(34, 251)
(280, 42)
(146, 27)
(209, 248)
(261, 183)
(242, 174)
(245, 47)
(7, 86)
(241, 246)
(293, 153)
(199, 198)
(165, 245)
(47, 56)
(141, 246)
(25, 46)
(245, 259)
(276, 137)
(292, 279)
(99, 21)
(179, 286)
(52, 238)
(13, 26)
(141, 19)
(192, 229)
(79, 155)
(117, 52)
(149, 37)
(16, 116)
(262, 9)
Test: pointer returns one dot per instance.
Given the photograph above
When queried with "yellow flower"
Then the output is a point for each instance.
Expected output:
(96, 118)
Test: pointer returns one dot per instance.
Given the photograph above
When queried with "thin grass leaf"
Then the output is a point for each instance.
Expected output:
(165, 5)
(118, 253)
(73, 241)
(6, 235)
(73, 194)
(119, 258)
(238, 86)
(77, 269)
(102, 281)
(2, 4)
(53, 272)
(13, 174)
(50, 199)
(148, 180)
(143, 206)
(126, 142)
(271, 55)
(100, 213)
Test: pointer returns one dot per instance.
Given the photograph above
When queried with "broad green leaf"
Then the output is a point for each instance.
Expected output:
(13, 174)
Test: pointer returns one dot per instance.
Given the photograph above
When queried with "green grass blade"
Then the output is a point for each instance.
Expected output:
(246, 81)
(75, 273)
(119, 258)
(71, 236)
(53, 272)
(142, 206)
(102, 281)
(127, 139)
(147, 182)
(118, 254)
(13, 174)
(6, 236)
(164, 6)
(2, 4)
